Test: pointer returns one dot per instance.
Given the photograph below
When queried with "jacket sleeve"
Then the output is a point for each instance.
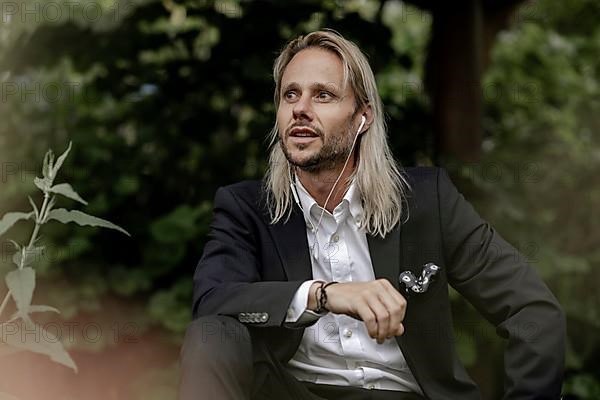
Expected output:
(227, 280)
(494, 277)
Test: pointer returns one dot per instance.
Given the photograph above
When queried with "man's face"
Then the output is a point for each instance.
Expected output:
(315, 114)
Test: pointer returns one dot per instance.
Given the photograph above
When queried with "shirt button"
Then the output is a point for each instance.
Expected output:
(347, 333)
(335, 238)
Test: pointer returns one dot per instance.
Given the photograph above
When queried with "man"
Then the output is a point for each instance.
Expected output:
(335, 207)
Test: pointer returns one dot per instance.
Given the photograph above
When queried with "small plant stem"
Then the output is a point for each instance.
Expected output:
(34, 234)
(38, 222)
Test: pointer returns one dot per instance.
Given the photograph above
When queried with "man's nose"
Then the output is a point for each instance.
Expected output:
(303, 108)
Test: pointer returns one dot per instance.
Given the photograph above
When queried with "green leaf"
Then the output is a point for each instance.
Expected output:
(30, 310)
(583, 386)
(38, 340)
(127, 184)
(42, 184)
(48, 165)
(178, 15)
(42, 308)
(11, 218)
(17, 257)
(177, 226)
(26, 256)
(60, 161)
(66, 190)
(82, 219)
(21, 283)
(168, 306)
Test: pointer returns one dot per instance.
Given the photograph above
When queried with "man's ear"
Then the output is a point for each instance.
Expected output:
(367, 111)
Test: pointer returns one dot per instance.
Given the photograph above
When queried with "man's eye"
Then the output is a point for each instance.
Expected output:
(324, 95)
(290, 95)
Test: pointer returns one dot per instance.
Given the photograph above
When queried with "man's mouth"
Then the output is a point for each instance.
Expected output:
(302, 132)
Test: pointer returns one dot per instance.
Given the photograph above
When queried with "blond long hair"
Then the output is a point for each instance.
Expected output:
(378, 177)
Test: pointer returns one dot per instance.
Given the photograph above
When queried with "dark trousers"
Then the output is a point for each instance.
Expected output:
(217, 364)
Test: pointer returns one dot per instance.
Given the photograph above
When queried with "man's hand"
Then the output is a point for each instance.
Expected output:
(377, 303)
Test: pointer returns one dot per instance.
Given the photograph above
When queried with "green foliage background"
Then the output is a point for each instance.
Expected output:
(166, 101)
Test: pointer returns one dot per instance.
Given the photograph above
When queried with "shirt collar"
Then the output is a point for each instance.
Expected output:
(351, 200)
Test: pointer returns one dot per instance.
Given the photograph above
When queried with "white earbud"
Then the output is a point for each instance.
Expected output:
(363, 119)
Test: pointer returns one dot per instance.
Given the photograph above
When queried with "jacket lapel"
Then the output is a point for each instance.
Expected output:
(386, 255)
(292, 245)
(388, 261)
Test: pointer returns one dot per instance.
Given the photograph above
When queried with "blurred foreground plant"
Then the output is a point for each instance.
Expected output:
(20, 282)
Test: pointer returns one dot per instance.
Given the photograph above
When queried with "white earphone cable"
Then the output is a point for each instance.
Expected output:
(315, 249)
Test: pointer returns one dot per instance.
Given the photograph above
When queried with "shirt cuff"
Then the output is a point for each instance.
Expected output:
(298, 315)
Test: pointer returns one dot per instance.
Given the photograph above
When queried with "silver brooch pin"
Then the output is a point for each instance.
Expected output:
(414, 285)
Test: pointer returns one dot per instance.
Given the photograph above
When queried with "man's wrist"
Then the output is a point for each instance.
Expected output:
(312, 296)
(321, 296)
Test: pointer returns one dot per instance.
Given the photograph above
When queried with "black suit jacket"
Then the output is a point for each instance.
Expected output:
(250, 270)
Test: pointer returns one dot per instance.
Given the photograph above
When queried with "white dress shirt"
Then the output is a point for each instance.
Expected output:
(337, 349)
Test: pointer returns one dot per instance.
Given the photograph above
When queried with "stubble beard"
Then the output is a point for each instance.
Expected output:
(331, 155)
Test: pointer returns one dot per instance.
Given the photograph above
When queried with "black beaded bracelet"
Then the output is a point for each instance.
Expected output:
(322, 296)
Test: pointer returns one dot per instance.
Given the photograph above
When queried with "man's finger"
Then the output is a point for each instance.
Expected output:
(368, 317)
(400, 330)
(396, 312)
(383, 317)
